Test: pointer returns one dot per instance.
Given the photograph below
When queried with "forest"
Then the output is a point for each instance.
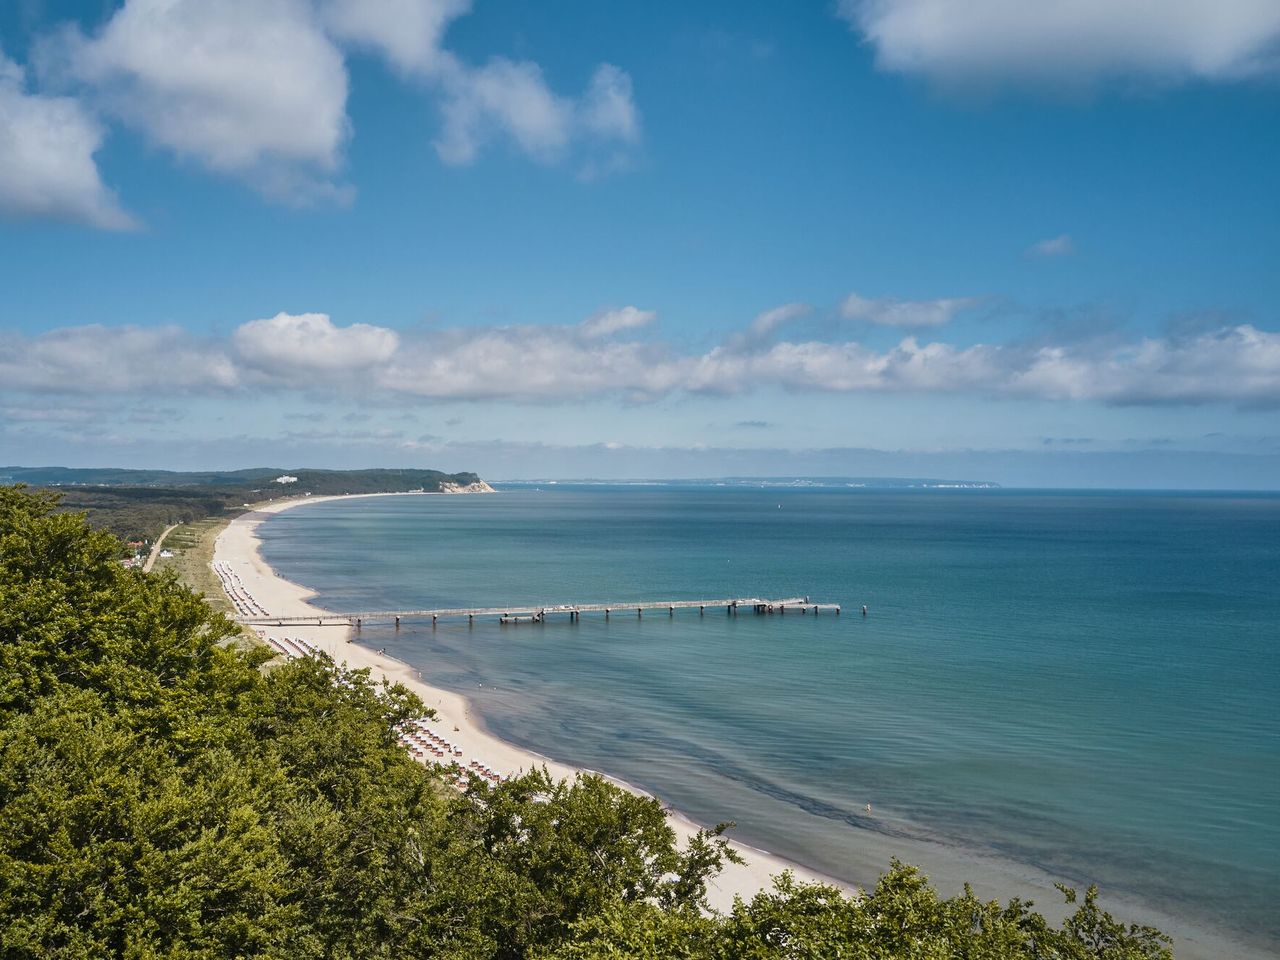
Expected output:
(138, 504)
(167, 791)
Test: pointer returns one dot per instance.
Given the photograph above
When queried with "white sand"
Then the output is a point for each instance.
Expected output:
(238, 545)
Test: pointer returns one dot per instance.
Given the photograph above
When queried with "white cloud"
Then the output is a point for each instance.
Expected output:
(1070, 42)
(844, 367)
(1059, 246)
(770, 320)
(615, 321)
(409, 33)
(889, 312)
(291, 345)
(507, 97)
(608, 107)
(249, 88)
(47, 169)
(97, 359)
(257, 90)
(1240, 364)
(549, 363)
(512, 99)
(502, 98)
(765, 324)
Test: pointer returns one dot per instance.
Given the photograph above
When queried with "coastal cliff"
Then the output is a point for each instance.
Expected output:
(477, 486)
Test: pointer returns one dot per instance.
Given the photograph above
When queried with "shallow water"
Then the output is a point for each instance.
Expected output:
(1080, 682)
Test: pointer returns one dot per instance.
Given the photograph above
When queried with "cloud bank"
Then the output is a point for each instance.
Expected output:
(609, 355)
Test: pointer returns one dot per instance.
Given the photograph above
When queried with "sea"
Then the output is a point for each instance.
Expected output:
(1046, 685)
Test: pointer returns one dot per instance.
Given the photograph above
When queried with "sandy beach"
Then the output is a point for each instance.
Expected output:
(238, 548)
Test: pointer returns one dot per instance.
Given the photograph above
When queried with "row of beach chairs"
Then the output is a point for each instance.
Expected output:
(234, 587)
(292, 647)
(423, 743)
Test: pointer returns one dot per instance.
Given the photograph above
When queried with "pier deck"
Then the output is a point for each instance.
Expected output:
(538, 613)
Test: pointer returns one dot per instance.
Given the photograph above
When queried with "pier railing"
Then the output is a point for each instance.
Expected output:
(538, 613)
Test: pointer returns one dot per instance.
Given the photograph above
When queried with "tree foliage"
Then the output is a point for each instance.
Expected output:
(162, 795)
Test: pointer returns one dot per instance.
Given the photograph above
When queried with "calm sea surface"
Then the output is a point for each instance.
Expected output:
(1085, 683)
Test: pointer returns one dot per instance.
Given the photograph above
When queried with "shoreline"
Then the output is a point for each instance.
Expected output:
(237, 546)
(948, 867)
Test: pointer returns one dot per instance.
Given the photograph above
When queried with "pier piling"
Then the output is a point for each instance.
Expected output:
(538, 613)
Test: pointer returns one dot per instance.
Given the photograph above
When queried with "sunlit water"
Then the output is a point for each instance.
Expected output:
(1082, 682)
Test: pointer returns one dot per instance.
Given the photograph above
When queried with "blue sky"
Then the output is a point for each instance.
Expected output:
(1031, 244)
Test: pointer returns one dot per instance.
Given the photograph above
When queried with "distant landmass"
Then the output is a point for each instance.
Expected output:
(873, 483)
(318, 482)
(137, 505)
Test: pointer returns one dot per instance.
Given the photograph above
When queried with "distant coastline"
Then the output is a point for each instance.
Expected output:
(870, 483)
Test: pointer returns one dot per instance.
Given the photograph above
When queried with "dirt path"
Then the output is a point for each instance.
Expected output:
(155, 548)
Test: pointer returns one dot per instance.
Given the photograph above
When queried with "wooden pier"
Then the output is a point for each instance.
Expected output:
(538, 613)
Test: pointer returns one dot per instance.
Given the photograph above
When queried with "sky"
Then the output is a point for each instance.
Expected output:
(1029, 243)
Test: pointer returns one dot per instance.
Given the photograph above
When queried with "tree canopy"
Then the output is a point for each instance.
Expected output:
(163, 793)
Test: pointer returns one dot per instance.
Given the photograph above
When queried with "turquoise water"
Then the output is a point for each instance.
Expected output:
(1084, 683)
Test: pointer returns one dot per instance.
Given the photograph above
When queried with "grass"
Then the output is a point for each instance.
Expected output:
(192, 547)
(192, 560)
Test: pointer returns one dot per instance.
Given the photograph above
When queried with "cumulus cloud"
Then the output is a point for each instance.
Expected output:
(290, 345)
(609, 322)
(503, 96)
(249, 88)
(257, 90)
(1059, 246)
(889, 312)
(499, 99)
(552, 362)
(511, 99)
(47, 169)
(98, 359)
(409, 33)
(1070, 42)
(1239, 364)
